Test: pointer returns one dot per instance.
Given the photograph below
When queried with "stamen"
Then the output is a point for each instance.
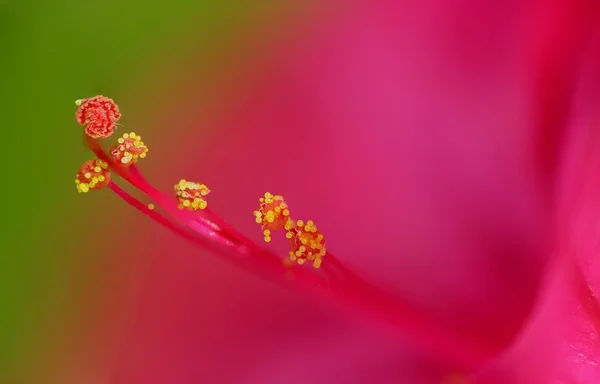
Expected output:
(93, 174)
(266, 267)
(209, 230)
(191, 195)
(129, 149)
(307, 243)
(273, 214)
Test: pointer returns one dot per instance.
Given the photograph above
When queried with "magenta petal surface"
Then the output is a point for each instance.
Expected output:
(411, 135)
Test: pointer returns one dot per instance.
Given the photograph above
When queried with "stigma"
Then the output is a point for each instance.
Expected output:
(99, 114)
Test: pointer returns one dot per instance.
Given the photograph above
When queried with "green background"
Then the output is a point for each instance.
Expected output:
(52, 53)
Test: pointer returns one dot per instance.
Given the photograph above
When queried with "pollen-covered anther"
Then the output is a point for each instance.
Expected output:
(273, 214)
(307, 243)
(191, 195)
(93, 174)
(129, 149)
(100, 115)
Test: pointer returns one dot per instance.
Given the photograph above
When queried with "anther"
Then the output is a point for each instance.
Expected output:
(129, 149)
(93, 174)
(191, 195)
(273, 214)
(306, 243)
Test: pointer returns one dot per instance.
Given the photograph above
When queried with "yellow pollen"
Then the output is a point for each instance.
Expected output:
(272, 214)
(191, 195)
(129, 150)
(91, 176)
(307, 243)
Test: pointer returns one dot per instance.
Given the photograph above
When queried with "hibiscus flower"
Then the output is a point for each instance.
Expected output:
(441, 153)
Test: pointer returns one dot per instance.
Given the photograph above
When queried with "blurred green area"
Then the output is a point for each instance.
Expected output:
(53, 52)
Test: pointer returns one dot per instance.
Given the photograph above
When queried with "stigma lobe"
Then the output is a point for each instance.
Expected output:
(100, 115)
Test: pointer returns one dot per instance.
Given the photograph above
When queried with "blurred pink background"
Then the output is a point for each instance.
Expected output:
(437, 145)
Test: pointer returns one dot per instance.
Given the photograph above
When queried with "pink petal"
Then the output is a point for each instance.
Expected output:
(409, 135)
(560, 344)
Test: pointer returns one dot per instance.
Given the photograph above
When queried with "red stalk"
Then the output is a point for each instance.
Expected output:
(342, 284)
